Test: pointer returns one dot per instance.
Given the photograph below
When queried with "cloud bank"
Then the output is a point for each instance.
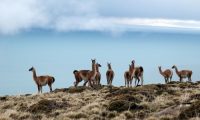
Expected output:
(77, 15)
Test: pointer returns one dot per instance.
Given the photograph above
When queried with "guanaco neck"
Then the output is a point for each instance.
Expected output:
(94, 67)
(131, 73)
(176, 69)
(160, 70)
(133, 65)
(97, 67)
(132, 69)
(34, 75)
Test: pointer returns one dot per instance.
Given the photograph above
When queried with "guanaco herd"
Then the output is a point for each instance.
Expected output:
(93, 77)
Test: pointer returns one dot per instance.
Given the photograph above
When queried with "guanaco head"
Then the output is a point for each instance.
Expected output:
(98, 65)
(109, 65)
(159, 67)
(93, 61)
(173, 66)
(31, 69)
(133, 61)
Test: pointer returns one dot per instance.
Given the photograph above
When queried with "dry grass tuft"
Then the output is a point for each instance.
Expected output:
(77, 115)
(149, 102)
(128, 114)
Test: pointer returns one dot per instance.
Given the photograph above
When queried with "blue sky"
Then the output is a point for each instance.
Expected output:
(57, 37)
(58, 54)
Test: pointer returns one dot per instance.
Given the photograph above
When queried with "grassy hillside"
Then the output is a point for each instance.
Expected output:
(156, 101)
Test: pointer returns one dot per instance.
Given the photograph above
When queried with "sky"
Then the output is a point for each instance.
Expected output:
(57, 37)
(100, 15)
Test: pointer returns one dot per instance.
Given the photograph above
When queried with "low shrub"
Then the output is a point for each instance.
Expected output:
(46, 106)
(78, 115)
(3, 98)
(192, 111)
(122, 105)
(76, 89)
(112, 114)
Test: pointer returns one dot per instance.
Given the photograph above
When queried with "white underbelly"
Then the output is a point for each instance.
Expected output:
(43, 83)
(84, 77)
(184, 76)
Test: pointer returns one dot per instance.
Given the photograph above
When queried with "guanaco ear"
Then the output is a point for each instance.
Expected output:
(93, 59)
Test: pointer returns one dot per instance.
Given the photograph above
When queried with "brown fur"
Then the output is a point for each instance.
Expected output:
(126, 78)
(133, 73)
(128, 75)
(98, 76)
(78, 76)
(109, 74)
(183, 74)
(42, 80)
(138, 74)
(167, 74)
(86, 75)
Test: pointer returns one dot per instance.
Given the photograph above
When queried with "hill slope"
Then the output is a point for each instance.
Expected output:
(156, 101)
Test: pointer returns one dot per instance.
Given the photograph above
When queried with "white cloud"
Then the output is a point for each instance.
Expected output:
(120, 24)
(20, 14)
(73, 15)
(173, 23)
